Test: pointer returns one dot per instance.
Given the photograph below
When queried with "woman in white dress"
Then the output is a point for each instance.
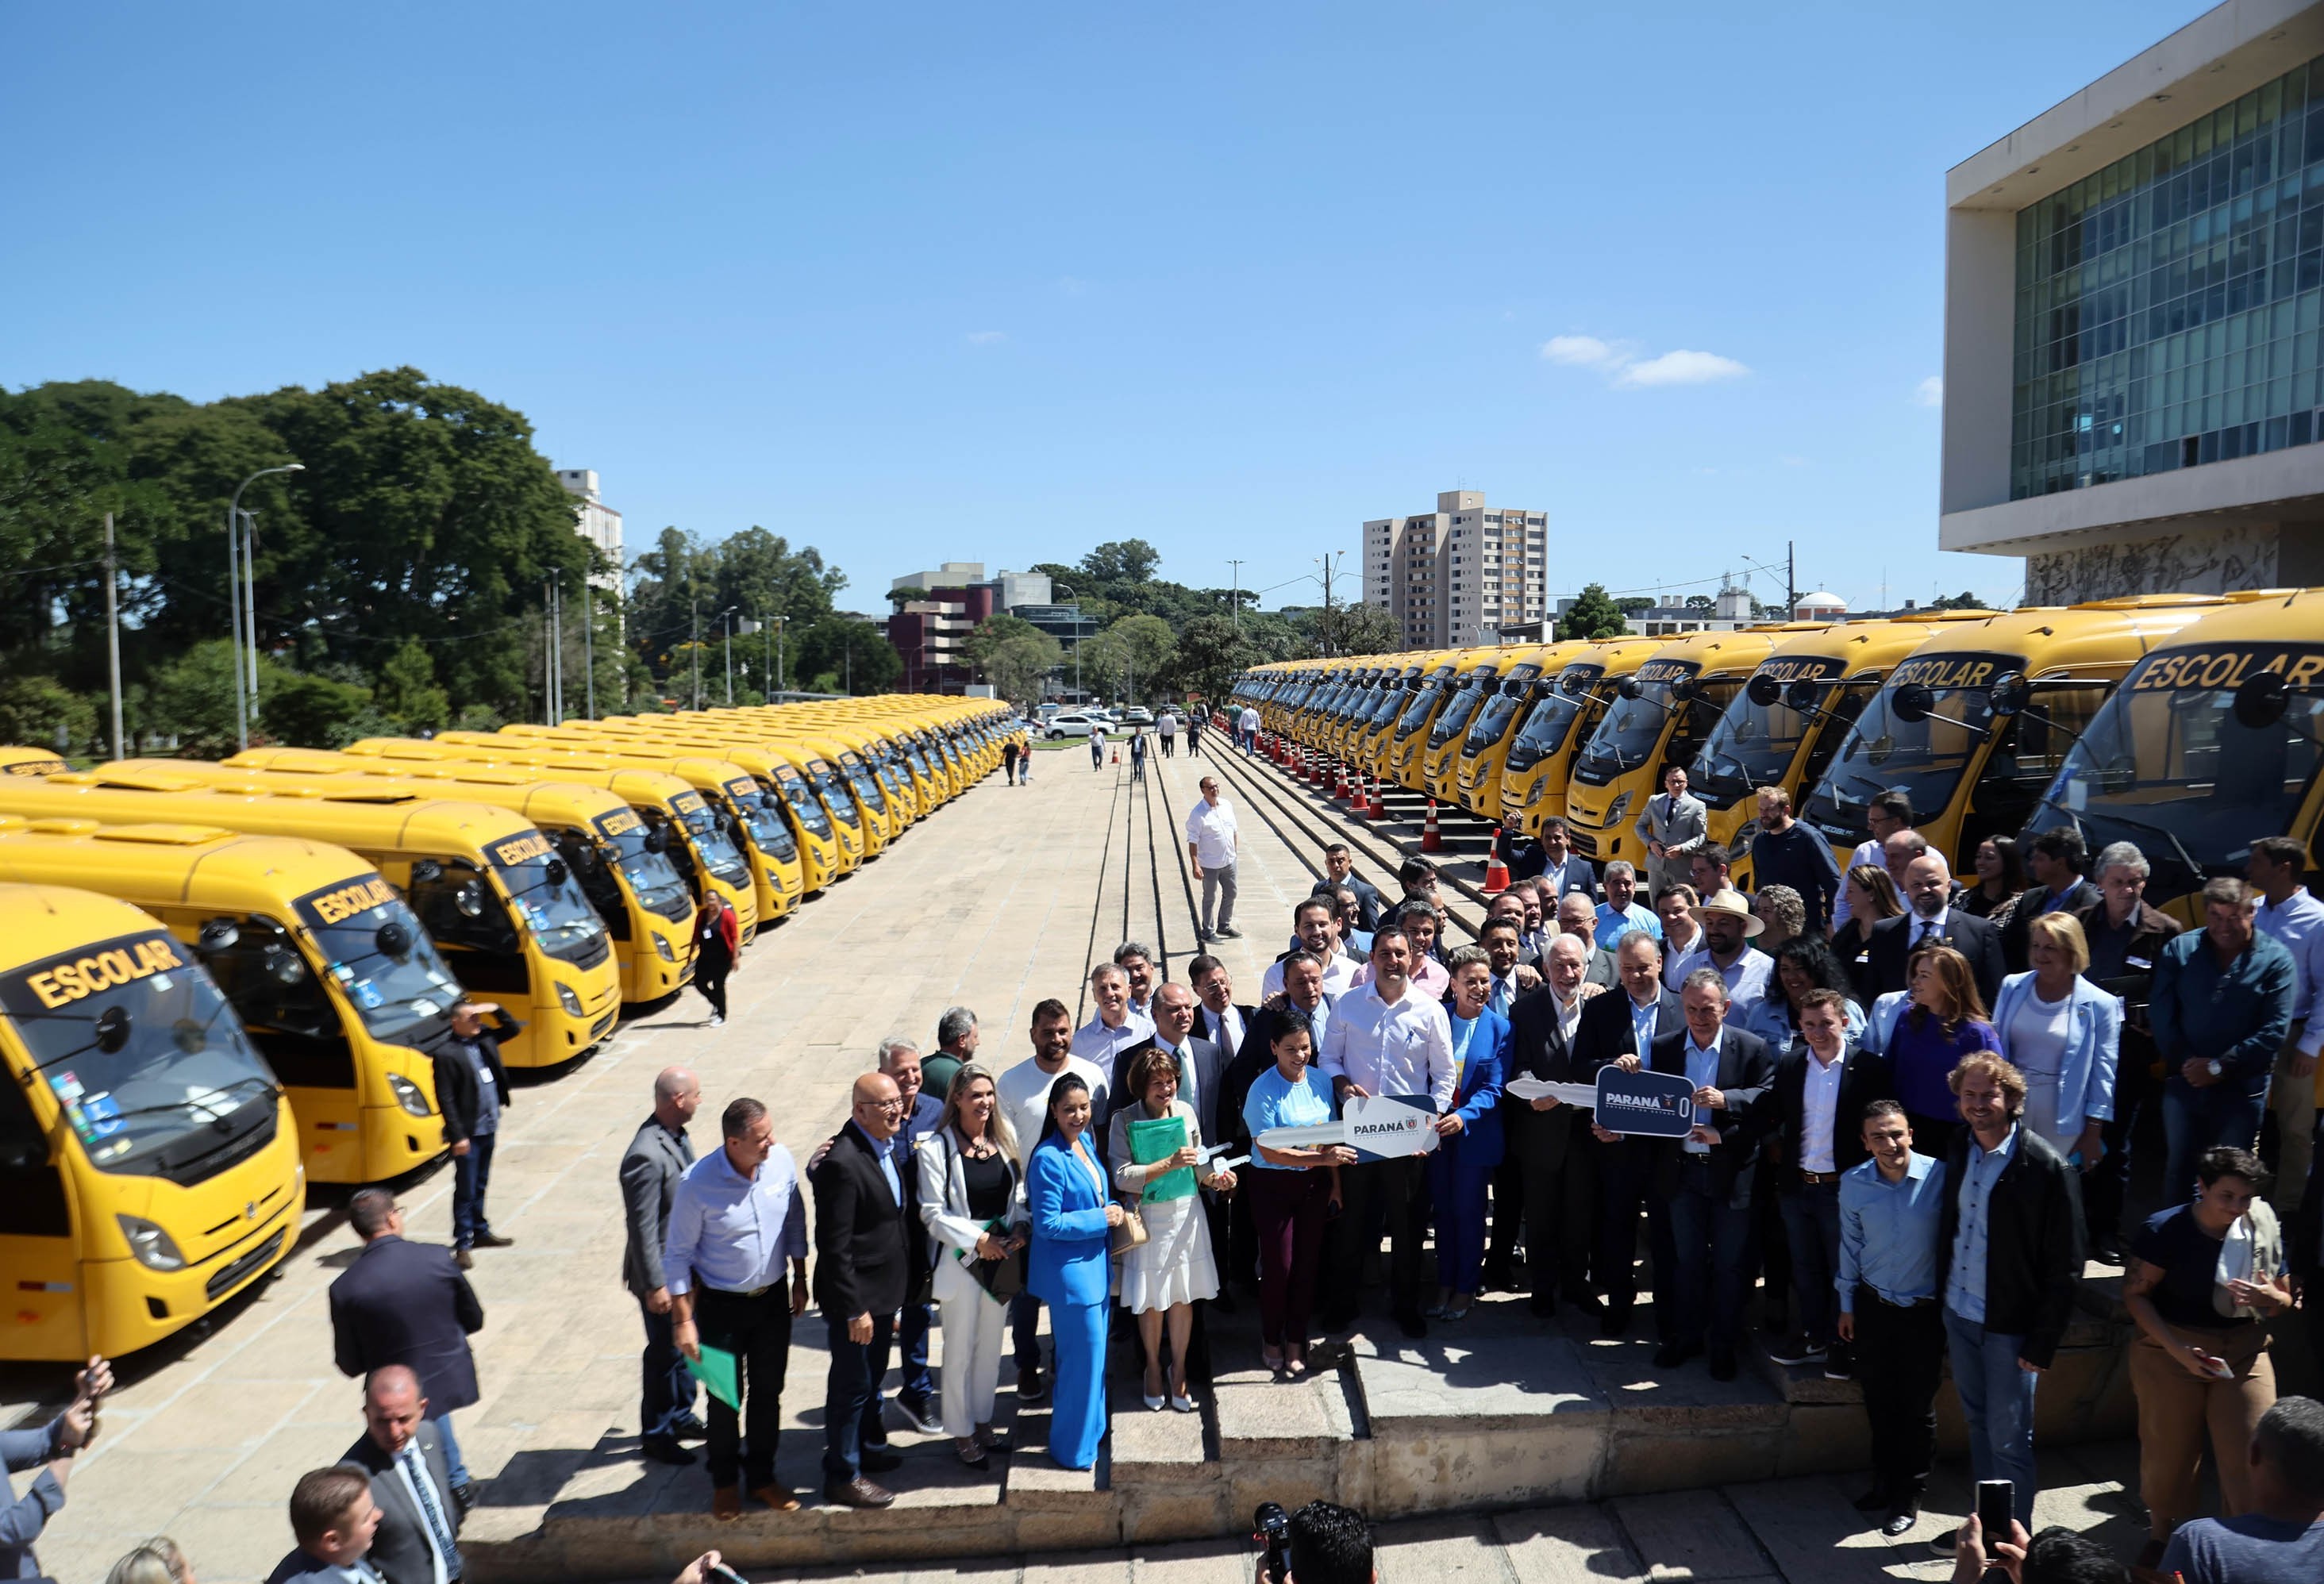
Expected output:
(1162, 1278)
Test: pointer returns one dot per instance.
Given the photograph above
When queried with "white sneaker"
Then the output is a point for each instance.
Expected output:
(716, 1021)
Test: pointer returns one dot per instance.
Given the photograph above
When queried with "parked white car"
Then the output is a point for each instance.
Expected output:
(1074, 723)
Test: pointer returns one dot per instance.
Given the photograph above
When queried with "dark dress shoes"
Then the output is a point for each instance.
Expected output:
(492, 1240)
(859, 1492)
(1900, 1520)
(663, 1449)
(879, 1460)
(688, 1428)
(1722, 1364)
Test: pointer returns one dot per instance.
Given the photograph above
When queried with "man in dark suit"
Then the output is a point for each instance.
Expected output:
(472, 1091)
(1822, 1085)
(2060, 864)
(417, 1541)
(1619, 1027)
(403, 1302)
(915, 1391)
(1699, 1204)
(1554, 1160)
(1199, 1066)
(1226, 1024)
(864, 1270)
(1221, 1019)
(333, 1518)
(1929, 888)
(1577, 915)
(659, 1154)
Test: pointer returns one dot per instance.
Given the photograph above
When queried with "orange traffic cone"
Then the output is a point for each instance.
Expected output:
(1431, 840)
(1117, 756)
(1496, 872)
(1377, 807)
(1339, 783)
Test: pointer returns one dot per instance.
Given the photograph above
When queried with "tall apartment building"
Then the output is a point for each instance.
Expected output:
(598, 523)
(1459, 574)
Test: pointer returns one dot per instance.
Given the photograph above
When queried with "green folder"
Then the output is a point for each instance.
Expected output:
(1158, 1138)
(715, 1370)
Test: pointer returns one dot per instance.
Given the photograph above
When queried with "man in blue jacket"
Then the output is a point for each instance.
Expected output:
(52, 1445)
(2222, 1006)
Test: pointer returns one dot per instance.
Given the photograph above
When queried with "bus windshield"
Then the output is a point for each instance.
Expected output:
(146, 1059)
(1754, 744)
(1545, 731)
(1454, 719)
(804, 806)
(372, 944)
(760, 821)
(1632, 730)
(1500, 710)
(546, 897)
(718, 854)
(2168, 767)
(835, 793)
(653, 880)
(1416, 713)
(866, 785)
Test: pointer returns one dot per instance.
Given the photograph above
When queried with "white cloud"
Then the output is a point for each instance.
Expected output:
(987, 337)
(1624, 363)
(1581, 352)
(1681, 368)
(1930, 391)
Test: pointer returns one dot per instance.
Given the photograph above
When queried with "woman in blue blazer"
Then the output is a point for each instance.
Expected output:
(1469, 1136)
(2065, 1034)
(1074, 1214)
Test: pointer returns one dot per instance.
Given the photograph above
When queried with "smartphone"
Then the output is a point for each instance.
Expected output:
(721, 1571)
(1996, 1509)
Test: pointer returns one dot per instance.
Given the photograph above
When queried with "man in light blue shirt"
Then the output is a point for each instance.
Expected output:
(1891, 1208)
(1620, 912)
(1114, 1028)
(2296, 920)
(1728, 926)
(737, 1217)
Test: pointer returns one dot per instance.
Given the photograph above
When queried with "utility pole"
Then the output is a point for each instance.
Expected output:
(693, 616)
(112, 634)
(250, 599)
(1234, 605)
(727, 617)
(1791, 579)
(589, 645)
(245, 709)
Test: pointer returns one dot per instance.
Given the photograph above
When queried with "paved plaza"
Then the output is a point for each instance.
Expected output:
(999, 900)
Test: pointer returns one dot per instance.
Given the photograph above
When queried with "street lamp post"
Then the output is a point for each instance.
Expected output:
(727, 643)
(245, 706)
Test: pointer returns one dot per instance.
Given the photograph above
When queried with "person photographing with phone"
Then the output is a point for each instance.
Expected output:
(49, 1449)
(2204, 1276)
(1322, 1542)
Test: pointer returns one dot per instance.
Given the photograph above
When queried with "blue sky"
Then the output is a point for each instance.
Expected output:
(918, 282)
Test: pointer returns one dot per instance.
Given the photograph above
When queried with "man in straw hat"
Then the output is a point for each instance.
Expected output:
(1728, 926)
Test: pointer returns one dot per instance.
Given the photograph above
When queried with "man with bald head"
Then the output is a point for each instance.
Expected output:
(1554, 1163)
(1930, 917)
(1577, 915)
(865, 1265)
(659, 1154)
(401, 1454)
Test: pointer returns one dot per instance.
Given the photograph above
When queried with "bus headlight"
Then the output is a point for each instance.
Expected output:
(152, 1246)
(661, 949)
(407, 1095)
(1748, 833)
(571, 1002)
(1534, 793)
(1622, 806)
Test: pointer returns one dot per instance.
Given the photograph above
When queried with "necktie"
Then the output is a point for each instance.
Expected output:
(1928, 926)
(424, 1488)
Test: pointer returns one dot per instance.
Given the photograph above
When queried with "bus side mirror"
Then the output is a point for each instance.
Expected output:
(219, 934)
(1912, 703)
(282, 964)
(470, 900)
(2008, 694)
(392, 939)
(426, 871)
(656, 842)
(1628, 687)
(557, 872)
(1683, 689)
(1763, 689)
(112, 1030)
(2260, 700)
(1801, 694)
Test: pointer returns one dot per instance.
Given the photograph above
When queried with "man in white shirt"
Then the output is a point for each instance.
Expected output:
(1385, 1038)
(1728, 926)
(1113, 1028)
(1022, 1094)
(1249, 725)
(1885, 815)
(1211, 847)
(1317, 923)
(2296, 920)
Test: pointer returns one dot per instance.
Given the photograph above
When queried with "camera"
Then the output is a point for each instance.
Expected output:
(1270, 1530)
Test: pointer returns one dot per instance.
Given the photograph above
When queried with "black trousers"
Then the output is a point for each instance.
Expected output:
(710, 969)
(1899, 1353)
(1398, 1192)
(1560, 1210)
(758, 1332)
(1622, 1174)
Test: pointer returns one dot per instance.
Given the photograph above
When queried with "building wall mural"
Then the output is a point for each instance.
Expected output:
(2214, 560)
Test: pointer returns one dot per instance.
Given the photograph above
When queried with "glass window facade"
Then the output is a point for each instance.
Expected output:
(2168, 306)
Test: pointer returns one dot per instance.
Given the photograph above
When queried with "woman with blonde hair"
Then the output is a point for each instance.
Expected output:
(1939, 1020)
(977, 1231)
(2065, 1034)
(157, 1562)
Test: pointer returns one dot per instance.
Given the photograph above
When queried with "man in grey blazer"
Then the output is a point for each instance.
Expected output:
(659, 1154)
(1672, 825)
(417, 1538)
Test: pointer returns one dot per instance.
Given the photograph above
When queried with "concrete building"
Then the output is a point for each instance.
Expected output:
(1823, 605)
(1459, 575)
(930, 632)
(2134, 285)
(599, 523)
(1729, 611)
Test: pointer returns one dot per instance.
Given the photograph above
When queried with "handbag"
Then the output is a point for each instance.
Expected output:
(1130, 1235)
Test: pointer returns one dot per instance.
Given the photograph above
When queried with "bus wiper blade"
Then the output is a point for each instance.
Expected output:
(2177, 846)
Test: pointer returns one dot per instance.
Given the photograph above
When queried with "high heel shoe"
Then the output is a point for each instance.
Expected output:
(1154, 1400)
(1179, 1400)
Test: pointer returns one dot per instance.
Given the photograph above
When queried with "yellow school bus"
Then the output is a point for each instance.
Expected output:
(1370, 732)
(149, 1161)
(700, 848)
(1410, 733)
(622, 867)
(2213, 741)
(500, 904)
(1531, 676)
(809, 784)
(1439, 761)
(29, 761)
(1970, 770)
(329, 972)
(1536, 773)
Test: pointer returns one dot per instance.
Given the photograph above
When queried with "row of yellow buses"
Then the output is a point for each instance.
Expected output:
(221, 981)
(2186, 724)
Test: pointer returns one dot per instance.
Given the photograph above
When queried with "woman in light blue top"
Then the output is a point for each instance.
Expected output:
(1469, 1136)
(1074, 1214)
(1291, 1191)
(1803, 963)
(2065, 1034)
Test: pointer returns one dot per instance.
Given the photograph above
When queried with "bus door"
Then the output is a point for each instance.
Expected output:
(468, 922)
(37, 1248)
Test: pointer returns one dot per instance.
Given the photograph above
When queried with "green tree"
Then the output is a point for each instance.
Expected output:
(1701, 602)
(1212, 653)
(1964, 600)
(1593, 615)
(844, 655)
(1633, 605)
(41, 712)
(1148, 645)
(1121, 561)
(308, 710)
(1358, 629)
(407, 692)
(1013, 655)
